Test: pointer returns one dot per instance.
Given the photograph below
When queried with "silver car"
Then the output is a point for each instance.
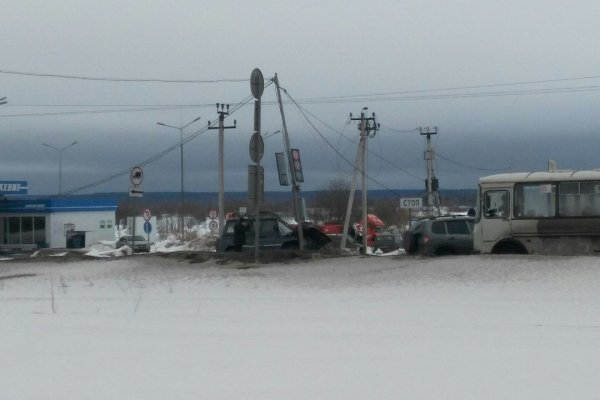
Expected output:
(440, 236)
(139, 245)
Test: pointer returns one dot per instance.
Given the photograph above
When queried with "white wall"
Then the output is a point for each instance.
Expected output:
(88, 221)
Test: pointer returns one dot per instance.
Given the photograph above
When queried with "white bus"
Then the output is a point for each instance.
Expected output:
(539, 213)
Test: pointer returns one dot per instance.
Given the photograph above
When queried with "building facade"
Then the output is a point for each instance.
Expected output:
(56, 222)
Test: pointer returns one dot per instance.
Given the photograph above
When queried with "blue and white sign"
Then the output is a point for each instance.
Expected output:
(147, 227)
(13, 187)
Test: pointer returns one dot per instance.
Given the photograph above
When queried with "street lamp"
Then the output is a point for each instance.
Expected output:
(268, 135)
(60, 151)
(180, 128)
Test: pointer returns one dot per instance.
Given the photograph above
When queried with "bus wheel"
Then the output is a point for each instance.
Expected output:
(509, 248)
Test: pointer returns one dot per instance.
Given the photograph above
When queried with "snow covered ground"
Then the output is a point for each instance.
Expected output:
(151, 327)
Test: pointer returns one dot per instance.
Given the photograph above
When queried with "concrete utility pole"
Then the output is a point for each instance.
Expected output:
(180, 129)
(288, 154)
(224, 112)
(368, 127)
(431, 182)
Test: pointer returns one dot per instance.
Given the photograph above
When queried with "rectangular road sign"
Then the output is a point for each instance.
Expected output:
(411, 202)
(136, 191)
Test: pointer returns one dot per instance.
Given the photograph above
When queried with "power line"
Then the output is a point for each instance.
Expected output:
(470, 166)
(480, 86)
(386, 98)
(159, 155)
(108, 79)
(325, 100)
(302, 111)
(143, 109)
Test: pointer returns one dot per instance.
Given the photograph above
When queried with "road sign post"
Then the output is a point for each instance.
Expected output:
(136, 176)
(411, 203)
(257, 86)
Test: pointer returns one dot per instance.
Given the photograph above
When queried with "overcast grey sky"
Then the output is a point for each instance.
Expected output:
(509, 84)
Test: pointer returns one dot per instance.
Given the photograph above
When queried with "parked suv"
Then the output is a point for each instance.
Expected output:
(274, 233)
(440, 236)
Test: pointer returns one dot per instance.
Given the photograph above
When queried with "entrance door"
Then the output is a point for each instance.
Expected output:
(75, 240)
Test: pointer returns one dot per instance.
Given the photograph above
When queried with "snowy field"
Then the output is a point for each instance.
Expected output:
(149, 327)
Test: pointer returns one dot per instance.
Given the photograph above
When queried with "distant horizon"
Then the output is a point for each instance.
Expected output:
(177, 193)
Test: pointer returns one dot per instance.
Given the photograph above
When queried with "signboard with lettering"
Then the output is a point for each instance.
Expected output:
(13, 187)
(411, 202)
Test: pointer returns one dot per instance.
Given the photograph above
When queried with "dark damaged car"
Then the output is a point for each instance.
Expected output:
(274, 234)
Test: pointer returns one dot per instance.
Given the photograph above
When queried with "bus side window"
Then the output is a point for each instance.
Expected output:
(497, 204)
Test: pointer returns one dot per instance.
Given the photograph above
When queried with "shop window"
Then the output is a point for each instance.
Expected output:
(24, 230)
(39, 231)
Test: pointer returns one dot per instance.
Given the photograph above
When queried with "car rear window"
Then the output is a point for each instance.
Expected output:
(457, 227)
(438, 227)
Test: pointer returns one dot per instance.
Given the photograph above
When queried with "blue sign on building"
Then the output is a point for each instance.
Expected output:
(13, 187)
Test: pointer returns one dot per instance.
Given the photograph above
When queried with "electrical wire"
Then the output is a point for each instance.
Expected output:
(480, 86)
(461, 164)
(355, 143)
(107, 79)
(453, 96)
(354, 167)
(159, 155)
(342, 100)
(113, 111)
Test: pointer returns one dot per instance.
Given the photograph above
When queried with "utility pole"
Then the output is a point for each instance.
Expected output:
(295, 185)
(431, 182)
(224, 112)
(181, 192)
(368, 127)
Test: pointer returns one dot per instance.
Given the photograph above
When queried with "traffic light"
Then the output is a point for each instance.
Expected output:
(297, 165)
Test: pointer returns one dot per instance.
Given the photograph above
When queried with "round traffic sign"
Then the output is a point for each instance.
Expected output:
(137, 176)
(147, 227)
(147, 214)
(257, 83)
(257, 147)
(213, 225)
(212, 214)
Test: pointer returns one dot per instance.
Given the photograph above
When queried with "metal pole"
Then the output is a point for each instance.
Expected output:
(295, 188)
(60, 172)
(257, 199)
(181, 194)
(363, 135)
(60, 151)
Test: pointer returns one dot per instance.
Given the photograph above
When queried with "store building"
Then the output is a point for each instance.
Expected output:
(70, 222)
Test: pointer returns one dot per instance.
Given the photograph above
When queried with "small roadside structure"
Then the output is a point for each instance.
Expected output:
(62, 222)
